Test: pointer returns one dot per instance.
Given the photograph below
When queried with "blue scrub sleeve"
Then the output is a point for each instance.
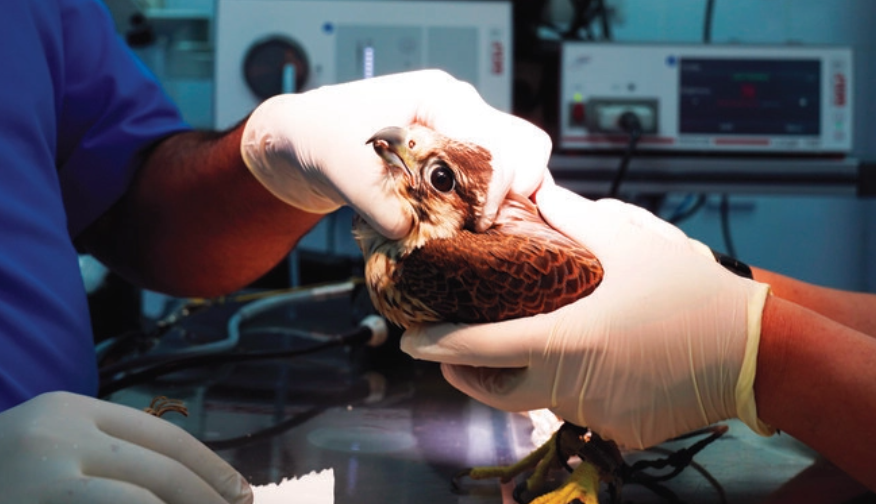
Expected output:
(77, 112)
(113, 110)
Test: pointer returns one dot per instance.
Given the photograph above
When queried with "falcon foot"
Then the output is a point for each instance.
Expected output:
(601, 461)
(161, 405)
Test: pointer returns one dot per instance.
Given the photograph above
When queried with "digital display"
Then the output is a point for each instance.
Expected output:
(749, 96)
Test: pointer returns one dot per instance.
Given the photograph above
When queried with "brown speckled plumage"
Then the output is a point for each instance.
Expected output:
(445, 271)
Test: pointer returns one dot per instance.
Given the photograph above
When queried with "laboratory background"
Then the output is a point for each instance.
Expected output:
(790, 191)
(788, 227)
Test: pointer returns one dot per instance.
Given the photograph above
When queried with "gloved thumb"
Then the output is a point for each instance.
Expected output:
(499, 345)
(509, 389)
(588, 222)
(597, 224)
(489, 362)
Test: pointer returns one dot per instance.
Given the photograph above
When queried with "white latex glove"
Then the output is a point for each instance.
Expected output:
(310, 149)
(66, 448)
(666, 344)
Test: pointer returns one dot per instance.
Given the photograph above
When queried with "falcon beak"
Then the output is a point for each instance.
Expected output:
(391, 145)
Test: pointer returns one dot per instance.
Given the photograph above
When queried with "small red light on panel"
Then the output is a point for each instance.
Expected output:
(578, 113)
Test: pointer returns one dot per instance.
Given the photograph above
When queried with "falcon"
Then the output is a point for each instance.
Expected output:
(444, 270)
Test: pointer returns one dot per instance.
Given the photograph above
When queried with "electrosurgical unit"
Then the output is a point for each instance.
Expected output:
(265, 47)
(731, 98)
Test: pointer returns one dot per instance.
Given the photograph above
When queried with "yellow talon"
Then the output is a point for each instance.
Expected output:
(601, 460)
(582, 485)
(540, 459)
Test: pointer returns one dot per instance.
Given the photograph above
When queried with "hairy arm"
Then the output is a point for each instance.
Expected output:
(853, 309)
(195, 222)
(817, 382)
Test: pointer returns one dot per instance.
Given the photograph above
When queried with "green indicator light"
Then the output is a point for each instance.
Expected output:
(577, 97)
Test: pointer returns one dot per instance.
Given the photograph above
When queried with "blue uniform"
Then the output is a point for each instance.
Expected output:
(77, 109)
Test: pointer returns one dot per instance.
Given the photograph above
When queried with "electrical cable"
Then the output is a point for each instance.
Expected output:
(360, 392)
(368, 332)
(603, 17)
(725, 225)
(725, 199)
(707, 21)
(172, 365)
(111, 370)
(114, 349)
(357, 393)
(266, 433)
(630, 123)
(580, 19)
(110, 352)
(584, 12)
(686, 210)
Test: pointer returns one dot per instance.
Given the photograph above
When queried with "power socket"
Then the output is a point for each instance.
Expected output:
(603, 116)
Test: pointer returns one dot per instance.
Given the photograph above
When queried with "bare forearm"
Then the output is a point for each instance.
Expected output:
(195, 222)
(816, 381)
(853, 309)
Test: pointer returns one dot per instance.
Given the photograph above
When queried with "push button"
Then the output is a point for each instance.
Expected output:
(577, 114)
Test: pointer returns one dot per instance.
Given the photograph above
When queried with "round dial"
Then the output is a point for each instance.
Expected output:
(275, 65)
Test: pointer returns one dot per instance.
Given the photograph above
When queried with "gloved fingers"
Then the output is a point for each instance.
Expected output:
(391, 218)
(171, 481)
(461, 113)
(521, 153)
(579, 218)
(157, 436)
(91, 490)
(547, 183)
(599, 224)
(391, 224)
(505, 344)
(271, 158)
(520, 150)
(508, 389)
(702, 248)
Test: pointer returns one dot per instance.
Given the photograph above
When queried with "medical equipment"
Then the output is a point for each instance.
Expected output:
(265, 47)
(734, 98)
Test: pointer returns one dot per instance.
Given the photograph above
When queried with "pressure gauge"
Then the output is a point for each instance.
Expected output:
(274, 65)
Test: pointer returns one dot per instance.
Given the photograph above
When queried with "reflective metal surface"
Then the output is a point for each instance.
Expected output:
(393, 431)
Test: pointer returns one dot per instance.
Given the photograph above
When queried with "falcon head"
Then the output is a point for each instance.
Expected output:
(442, 182)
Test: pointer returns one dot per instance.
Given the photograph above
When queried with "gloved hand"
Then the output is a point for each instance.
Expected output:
(666, 344)
(62, 447)
(309, 149)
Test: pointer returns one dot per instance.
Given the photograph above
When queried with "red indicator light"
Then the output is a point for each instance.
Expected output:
(578, 113)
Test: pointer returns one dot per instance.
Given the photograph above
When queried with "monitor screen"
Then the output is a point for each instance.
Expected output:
(749, 96)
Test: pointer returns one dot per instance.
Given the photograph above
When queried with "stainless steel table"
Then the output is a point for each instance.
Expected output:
(393, 431)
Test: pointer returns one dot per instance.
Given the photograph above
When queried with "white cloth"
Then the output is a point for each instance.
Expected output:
(312, 488)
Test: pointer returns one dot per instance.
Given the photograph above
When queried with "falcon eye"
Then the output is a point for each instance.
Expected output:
(411, 144)
(442, 178)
